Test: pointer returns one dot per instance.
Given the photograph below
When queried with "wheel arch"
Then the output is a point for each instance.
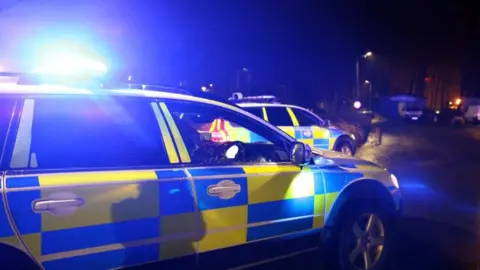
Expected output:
(364, 189)
(14, 255)
(344, 138)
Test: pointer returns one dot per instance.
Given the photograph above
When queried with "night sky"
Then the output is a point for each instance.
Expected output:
(310, 45)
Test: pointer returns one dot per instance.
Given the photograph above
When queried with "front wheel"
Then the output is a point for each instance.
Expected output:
(365, 238)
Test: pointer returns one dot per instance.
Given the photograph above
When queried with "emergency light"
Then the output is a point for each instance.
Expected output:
(71, 65)
(239, 98)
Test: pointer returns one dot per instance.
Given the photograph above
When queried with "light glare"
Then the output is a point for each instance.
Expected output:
(71, 65)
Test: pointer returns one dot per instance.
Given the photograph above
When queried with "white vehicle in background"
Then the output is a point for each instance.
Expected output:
(472, 114)
(411, 112)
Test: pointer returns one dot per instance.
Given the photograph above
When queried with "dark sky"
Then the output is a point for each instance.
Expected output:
(314, 42)
(309, 43)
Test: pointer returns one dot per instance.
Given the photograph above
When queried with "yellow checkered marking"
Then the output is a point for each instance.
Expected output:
(329, 200)
(320, 133)
(274, 183)
(101, 191)
(71, 179)
(289, 130)
(224, 232)
(319, 208)
(99, 199)
(178, 225)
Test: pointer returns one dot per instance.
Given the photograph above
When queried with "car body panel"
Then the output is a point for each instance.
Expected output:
(134, 216)
(316, 136)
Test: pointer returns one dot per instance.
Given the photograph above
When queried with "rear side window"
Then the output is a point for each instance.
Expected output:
(257, 111)
(279, 116)
(88, 133)
(304, 118)
(6, 110)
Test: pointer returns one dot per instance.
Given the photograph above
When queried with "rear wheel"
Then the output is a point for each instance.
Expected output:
(346, 148)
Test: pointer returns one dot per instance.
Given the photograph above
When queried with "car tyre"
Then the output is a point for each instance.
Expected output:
(365, 237)
(345, 147)
(341, 241)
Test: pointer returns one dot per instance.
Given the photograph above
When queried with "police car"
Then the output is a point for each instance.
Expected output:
(298, 122)
(110, 178)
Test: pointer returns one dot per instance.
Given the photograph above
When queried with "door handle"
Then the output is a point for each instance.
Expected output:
(52, 205)
(218, 190)
(225, 189)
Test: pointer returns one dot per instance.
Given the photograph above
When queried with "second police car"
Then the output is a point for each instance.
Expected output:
(296, 121)
(114, 178)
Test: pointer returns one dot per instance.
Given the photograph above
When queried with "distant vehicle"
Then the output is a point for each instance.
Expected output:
(405, 107)
(298, 122)
(367, 112)
(472, 114)
(411, 113)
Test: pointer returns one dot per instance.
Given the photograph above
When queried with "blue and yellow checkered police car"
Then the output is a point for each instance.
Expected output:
(110, 178)
(299, 123)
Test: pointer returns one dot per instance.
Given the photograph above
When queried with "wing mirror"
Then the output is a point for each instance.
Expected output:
(301, 153)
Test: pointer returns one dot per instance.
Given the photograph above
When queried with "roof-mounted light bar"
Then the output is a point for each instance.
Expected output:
(160, 88)
(239, 98)
(83, 81)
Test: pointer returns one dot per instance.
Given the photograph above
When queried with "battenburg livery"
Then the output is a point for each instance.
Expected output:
(116, 178)
(298, 122)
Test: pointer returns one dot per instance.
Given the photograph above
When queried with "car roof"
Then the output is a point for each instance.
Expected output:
(45, 89)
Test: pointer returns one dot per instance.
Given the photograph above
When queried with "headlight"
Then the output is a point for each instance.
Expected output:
(394, 180)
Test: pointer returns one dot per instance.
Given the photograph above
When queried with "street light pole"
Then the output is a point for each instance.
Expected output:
(369, 83)
(357, 72)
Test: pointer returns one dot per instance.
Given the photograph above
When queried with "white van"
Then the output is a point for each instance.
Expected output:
(473, 113)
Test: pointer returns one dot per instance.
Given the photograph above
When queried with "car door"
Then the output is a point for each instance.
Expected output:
(255, 207)
(7, 115)
(319, 136)
(96, 183)
(280, 117)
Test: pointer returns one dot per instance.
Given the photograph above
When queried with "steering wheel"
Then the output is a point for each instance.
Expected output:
(234, 151)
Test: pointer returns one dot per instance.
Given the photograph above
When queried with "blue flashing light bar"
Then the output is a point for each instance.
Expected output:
(239, 98)
(92, 83)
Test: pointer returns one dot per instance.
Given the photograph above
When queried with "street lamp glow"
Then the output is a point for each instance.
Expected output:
(368, 54)
(204, 88)
(367, 81)
(357, 104)
(458, 101)
(211, 85)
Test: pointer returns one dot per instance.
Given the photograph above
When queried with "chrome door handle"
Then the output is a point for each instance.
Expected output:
(52, 205)
(218, 190)
(225, 189)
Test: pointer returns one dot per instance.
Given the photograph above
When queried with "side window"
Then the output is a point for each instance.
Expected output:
(257, 111)
(305, 118)
(279, 116)
(208, 131)
(56, 133)
(6, 110)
